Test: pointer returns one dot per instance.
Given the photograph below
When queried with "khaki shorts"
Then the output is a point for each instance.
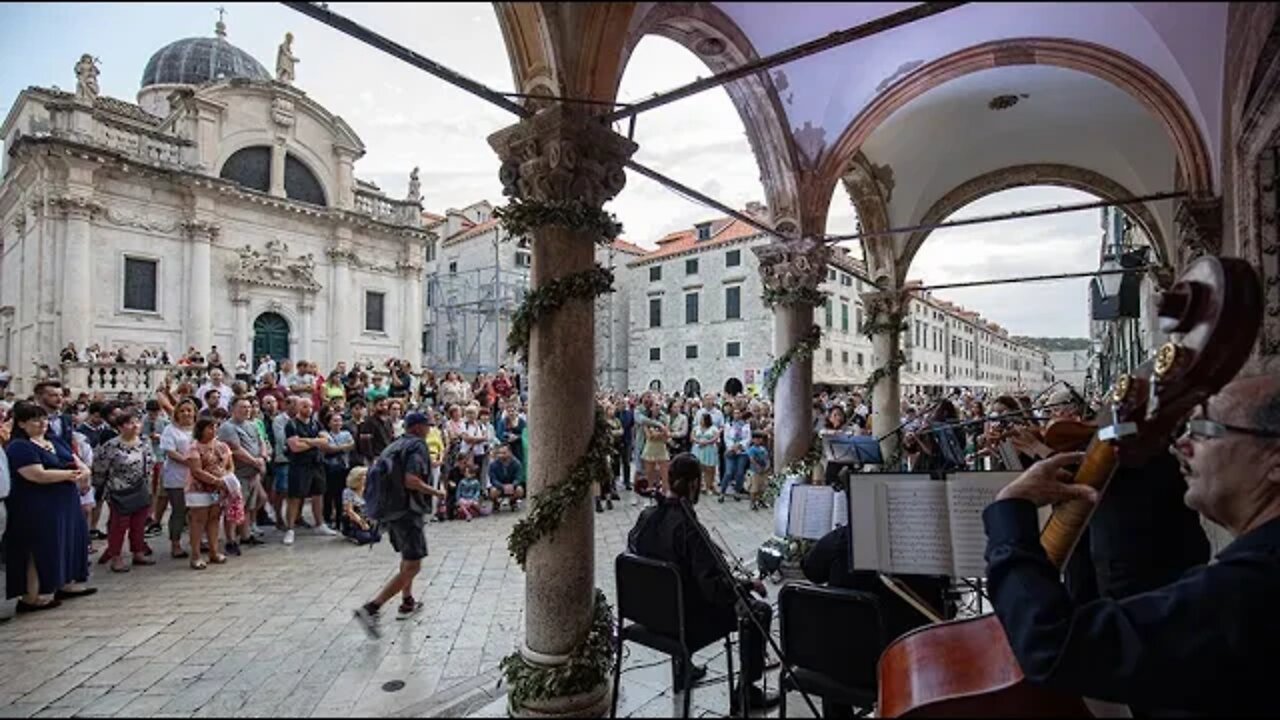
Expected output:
(756, 482)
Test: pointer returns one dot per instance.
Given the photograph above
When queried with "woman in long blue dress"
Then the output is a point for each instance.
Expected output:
(45, 558)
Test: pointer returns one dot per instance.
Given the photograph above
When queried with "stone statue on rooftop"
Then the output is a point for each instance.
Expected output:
(285, 60)
(415, 187)
(87, 78)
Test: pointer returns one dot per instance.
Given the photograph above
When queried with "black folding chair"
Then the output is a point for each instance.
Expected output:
(651, 595)
(833, 639)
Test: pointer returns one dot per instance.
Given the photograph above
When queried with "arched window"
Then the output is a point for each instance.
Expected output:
(250, 167)
(300, 183)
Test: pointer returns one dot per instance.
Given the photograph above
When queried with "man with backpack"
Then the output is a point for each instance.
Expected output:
(396, 496)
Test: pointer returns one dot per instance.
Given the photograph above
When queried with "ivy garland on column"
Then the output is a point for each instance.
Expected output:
(590, 663)
(545, 300)
(804, 349)
(880, 320)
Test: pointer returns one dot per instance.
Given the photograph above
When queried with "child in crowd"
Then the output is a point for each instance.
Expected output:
(468, 490)
(757, 469)
(355, 524)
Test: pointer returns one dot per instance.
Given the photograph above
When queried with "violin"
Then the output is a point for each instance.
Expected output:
(1067, 435)
(966, 667)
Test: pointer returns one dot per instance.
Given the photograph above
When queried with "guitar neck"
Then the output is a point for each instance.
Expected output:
(1069, 519)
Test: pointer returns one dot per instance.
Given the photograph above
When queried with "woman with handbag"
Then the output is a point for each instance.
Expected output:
(123, 466)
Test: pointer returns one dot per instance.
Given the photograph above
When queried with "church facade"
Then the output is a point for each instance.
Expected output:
(220, 209)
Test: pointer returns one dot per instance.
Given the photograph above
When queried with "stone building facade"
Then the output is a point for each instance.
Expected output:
(699, 321)
(475, 277)
(221, 210)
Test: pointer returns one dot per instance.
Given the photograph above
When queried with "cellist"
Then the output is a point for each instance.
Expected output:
(1202, 644)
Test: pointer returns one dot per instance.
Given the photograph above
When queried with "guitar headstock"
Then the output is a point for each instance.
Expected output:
(1212, 315)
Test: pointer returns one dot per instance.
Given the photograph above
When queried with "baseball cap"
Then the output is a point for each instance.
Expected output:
(414, 418)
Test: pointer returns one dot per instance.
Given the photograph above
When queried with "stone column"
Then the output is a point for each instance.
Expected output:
(277, 167)
(306, 309)
(242, 339)
(199, 293)
(411, 312)
(561, 154)
(341, 329)
(77, 269)
(886, 310)
(795, 270)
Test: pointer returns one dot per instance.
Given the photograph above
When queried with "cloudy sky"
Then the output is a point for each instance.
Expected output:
(408, 118)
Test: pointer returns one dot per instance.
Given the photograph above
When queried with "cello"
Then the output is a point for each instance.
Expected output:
(966, 668)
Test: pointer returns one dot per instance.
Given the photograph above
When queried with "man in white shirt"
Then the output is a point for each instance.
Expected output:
(215, 383)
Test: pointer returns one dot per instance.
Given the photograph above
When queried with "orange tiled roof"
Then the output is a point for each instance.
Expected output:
(723, 232)
(626, 247)
(470, 232)
(431, 217)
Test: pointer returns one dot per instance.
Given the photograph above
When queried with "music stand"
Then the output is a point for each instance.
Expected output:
(855, 450)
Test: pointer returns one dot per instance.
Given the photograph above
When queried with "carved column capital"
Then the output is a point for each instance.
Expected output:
(793, 269)
(201, 229)
(77, 207)
(343, 254)
(1199, 223)
(561, 154)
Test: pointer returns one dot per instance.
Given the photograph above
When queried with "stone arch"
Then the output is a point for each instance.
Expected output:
(1194, 163)
(565, 49)
(707, 32)
(1068, 176)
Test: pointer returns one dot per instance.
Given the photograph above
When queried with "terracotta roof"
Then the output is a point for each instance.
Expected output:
(722, 233)
(431, 217)
(470, 232)
(626, 247)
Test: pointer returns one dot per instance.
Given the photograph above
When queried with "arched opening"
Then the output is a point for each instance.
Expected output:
(692, 388)
(270, 336)
(249, 167)
(701, 139)
(655, 385)
(982, 338)
(733, 386)
(302, 184)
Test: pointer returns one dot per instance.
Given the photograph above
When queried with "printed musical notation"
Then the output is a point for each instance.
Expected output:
(902, 524)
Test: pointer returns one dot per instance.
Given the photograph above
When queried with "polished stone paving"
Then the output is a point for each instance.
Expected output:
(271, 633)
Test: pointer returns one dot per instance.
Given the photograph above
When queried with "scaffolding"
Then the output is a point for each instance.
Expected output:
(468, 315)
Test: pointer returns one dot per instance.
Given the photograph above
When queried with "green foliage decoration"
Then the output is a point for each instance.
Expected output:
(804, 349)
(589, 666)
(521, 217)
(541, 302)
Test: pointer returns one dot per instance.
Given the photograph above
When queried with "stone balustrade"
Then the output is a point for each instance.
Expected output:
(140, 380)
(381, 207)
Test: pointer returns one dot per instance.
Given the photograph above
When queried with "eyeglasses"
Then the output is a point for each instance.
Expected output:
(1202, 428)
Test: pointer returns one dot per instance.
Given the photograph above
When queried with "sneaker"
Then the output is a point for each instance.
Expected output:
(253, 540)
(369, 621)
(288, 537)
(608, 504)
(152, 530)
(322, 529)
(519, 504)
(408, 608)
(599, 507)
(233, 549)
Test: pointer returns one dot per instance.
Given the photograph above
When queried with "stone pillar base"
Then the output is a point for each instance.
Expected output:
(591, 704)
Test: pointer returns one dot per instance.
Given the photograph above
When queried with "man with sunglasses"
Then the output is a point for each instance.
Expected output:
(1199, 645)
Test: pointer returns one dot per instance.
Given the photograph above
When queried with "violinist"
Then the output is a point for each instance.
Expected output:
(1201, 644)
(663, 532)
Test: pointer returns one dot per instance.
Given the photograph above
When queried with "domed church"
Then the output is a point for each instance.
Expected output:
(220, 209)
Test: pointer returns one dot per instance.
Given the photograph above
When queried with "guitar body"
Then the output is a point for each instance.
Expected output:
(963, 668)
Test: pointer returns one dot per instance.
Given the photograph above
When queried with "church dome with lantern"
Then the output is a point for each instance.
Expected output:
(195, 61)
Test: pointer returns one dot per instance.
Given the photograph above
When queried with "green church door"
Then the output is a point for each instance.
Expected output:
(270, 337)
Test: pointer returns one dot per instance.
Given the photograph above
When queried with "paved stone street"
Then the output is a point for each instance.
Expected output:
(271, 633)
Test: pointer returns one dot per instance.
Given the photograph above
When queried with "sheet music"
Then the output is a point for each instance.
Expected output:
(782, 508)
(1009, 456)
(917, 527)
(968, 494)
(840, 510)
(811, 511)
